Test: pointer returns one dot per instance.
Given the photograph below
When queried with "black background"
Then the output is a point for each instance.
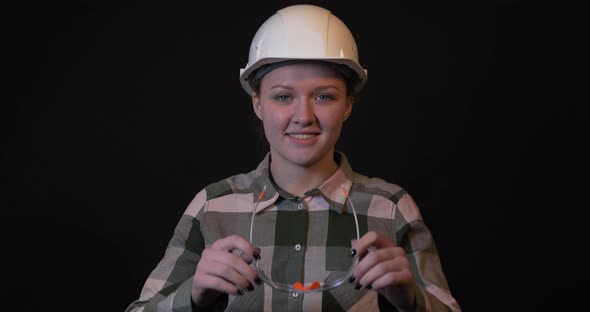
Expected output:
(124, 110)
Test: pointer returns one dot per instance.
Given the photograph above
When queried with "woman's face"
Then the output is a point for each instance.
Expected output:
(302, 108)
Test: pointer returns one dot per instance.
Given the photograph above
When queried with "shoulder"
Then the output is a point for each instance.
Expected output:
(236, 184)
(387, 192)
(239, 183)
(372, 185)
(378, 187)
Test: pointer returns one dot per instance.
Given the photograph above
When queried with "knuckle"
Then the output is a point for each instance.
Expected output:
(226, 271)
(372, 235)
(232, 237)
(390, 276)
(380, 266)
(399, 250)
(219, 284)
(217, 244)
(205, 252)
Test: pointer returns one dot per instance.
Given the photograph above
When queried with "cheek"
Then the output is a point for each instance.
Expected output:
(272, 124)
(332, 121)
(276, 118)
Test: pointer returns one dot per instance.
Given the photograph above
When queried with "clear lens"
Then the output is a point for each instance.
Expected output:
(294, 288)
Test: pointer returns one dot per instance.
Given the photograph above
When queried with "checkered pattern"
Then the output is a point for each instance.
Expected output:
(302, 239)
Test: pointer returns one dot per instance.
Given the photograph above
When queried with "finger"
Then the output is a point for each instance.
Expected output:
(241, 267)
(236, 242)
(371, 239)
(229, 274)
(399, 279)
(371, 259)
(230, 267)
(204, 280)
(381, 268)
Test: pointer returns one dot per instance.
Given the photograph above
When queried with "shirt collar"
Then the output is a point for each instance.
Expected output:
(334, 190)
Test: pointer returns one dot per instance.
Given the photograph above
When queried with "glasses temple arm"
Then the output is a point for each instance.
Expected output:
(260, 196)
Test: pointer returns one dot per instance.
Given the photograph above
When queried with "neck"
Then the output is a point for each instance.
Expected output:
(297, 179)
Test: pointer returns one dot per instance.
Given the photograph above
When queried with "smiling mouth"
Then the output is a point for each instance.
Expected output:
(301, 136)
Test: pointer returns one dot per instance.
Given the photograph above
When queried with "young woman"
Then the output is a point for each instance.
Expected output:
(302, 231)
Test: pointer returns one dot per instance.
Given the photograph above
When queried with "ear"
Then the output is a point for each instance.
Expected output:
(256, 105)
(349, 103)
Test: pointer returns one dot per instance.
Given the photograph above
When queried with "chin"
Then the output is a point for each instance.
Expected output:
(305, 159)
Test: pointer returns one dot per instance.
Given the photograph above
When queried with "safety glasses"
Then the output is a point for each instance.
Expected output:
(298, 287)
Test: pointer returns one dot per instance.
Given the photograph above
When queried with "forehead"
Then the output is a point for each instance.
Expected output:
(303, 72)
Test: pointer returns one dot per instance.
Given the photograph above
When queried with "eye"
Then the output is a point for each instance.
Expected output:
(282, 97)
(324, 97)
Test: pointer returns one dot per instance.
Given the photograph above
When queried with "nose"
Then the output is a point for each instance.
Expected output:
(304, 112)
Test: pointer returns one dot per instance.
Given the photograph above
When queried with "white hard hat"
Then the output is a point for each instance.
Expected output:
(303, 32)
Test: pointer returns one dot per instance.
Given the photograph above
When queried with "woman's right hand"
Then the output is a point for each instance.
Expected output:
(223, 271)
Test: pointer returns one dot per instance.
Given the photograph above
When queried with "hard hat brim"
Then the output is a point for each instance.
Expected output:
(246, 73)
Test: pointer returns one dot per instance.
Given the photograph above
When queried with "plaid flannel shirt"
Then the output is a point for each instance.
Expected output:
(301, 239)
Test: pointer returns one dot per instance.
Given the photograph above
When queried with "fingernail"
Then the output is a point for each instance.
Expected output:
(257, 253)
(258, 281)
(250, 288)
(240, 292)
(351, 279)
(357, 286)
(353, 252)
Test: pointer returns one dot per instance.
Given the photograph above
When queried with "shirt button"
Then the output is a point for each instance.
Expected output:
(295, 295)
(297, 247)
(300, 206)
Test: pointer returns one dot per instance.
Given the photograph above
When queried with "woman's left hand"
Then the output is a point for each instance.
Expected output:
(384, 267)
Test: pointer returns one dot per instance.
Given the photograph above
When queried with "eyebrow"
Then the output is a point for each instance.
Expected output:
(316, 89)
(280, 86)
